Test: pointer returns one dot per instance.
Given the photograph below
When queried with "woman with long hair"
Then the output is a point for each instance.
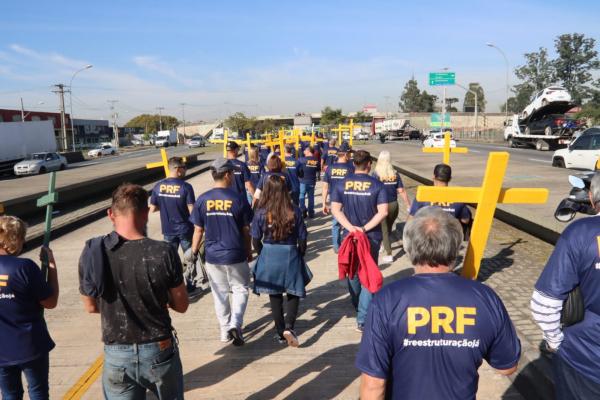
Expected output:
(279, 237)
(256, 169)
(385, 172)
(274, 167)
(24, 293)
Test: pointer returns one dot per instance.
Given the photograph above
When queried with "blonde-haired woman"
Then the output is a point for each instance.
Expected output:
(385, 172)
(24, 292)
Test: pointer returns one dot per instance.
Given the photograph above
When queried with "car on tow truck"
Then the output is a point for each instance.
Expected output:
(553, 94)
(582, 153)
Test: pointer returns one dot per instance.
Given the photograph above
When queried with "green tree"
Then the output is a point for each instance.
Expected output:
(450, 104)
(576, 59)
(469, 101)
(267, 125)
(537, 73)
(362, 116)
(411, 99)
(240, 123)
(330, 116)
(522, 98)
(427, 102)
(151, 122)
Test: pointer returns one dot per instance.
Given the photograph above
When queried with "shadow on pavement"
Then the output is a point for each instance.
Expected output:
(533, 381)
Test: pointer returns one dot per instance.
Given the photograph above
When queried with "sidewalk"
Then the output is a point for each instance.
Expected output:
(321, 368)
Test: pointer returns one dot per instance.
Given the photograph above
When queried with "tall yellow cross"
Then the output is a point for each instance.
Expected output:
(486, 197)
(446, 150)
(345, 128)
(224, 141)
(164, 163)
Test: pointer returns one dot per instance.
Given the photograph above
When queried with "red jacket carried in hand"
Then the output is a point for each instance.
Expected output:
(355, 256)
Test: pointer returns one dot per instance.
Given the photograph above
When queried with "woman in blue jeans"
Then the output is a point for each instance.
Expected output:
(24, 293)
(279, 236)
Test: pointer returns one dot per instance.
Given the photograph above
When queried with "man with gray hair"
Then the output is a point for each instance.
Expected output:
(426, 336)
(575, 263)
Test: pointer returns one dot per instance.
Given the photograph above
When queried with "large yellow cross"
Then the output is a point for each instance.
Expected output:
(225, 140)
(345, 128)
(164, 163)
(486, 197)
(446, 149)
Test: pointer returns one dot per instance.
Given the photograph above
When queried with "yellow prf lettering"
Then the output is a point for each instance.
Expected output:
(218, 205)
(338, 171)
(357, 185)
(462, 319)
(170, 189)
(413, 322)
(437, 321)
(598, 240)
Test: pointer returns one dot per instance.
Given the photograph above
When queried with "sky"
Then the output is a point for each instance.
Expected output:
(266, 57)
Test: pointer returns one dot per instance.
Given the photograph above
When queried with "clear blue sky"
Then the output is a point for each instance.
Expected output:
(266, 57)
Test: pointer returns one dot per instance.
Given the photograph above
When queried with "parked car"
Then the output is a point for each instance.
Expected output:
(582, 153)
(544, 97)
(551, 124)
(40, 163)
(437, 140)
(137, 142)
(197, 141)
(102, 150)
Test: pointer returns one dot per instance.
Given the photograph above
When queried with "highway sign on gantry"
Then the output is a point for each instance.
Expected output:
(442, 78)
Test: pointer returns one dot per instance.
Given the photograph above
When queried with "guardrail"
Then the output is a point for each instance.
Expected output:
(489, 136)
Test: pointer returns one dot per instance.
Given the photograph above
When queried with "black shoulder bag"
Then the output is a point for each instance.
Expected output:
(573, 309)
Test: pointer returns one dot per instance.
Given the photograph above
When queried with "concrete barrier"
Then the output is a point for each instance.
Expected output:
(73, 156)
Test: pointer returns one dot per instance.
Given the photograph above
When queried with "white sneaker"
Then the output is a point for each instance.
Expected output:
(387, 259)
(291, 338)
(226, 337)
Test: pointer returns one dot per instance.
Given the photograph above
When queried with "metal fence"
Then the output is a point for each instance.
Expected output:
(484, 135)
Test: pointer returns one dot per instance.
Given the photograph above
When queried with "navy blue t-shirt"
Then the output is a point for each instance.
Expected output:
(222, 213)
(293, 166)
(336, 173)
(392, 184)
(428, 334)
(263, 153)
(360, 194)
(310, 169)
(256, 171)
(241, 175)
(23, 332)
(575, 261)
(260, 228)
(457, 210)
(172, 196)
(283, 175)
(330, 156)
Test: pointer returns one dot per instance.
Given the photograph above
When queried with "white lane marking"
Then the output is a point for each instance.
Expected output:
(474, 151)
(538, 160)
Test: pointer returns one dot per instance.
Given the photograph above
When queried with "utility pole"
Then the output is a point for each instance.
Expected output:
(160, 117)
(114, 116)
(22, 111)
(60, 89)
(183, 118)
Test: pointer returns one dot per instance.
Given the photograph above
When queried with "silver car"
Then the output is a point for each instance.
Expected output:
(40, 163)
(197, 141)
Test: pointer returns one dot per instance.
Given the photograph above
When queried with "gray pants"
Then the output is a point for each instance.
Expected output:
(234, 278)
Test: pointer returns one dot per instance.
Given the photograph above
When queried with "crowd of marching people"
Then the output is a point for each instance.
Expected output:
(248, 233)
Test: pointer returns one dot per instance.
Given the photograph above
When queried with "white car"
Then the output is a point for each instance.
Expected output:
(197, 141)
(582, 153)
(40, 163)
(437, 140)
(102, 150)
(553, 94)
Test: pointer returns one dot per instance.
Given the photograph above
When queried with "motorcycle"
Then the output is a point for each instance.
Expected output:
(578, 200)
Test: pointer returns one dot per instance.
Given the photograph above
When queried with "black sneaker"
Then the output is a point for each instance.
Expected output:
(236, 334)
(279, 339)
(304, 214)
(190, 287)
(359, 328)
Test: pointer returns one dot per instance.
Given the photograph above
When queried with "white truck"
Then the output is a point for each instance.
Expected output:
(546, 128)
(21, 139)
(166, 138)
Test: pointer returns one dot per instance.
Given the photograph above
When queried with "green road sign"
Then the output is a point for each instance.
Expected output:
(436, 120)
(442, 78)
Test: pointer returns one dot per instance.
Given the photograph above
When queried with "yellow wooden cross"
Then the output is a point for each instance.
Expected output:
(164, 163)
(345, 128)
(486, 197)
(446, 150)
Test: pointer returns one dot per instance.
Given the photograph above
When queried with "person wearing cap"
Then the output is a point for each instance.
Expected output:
(332, 177)
(242, 182)
(256, 169)
(275, 166)
(309, 165)
(293, 168)
(442, 174)
(222, 216)
(360, 203)
(174, 199)
(329, 155)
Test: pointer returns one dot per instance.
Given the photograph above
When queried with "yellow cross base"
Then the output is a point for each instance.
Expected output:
(446, 150)
(486, 198)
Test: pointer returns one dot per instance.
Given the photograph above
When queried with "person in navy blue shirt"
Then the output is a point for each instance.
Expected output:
(329, 155)
(332, 177)
(24, 294)
(274, 167)
(442, 174)
(279, 237)
(242, 182)
(222, 216)
(256, 169)
(575, 262)
(426, 336)
(310, 170)
(175, 198)
(360, 203)
(292, 165)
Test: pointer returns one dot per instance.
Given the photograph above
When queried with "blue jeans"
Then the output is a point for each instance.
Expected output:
(36, 374)
(132, 369)
(335, 234)
(295, 197)
(183, 240)
(307, 190)
(360, 296)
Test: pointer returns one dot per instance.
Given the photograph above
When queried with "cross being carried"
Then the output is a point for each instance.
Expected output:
(162, 164)
(446, 150)
(48, 201)
(486, 198)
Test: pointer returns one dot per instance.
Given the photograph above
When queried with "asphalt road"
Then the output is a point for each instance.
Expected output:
(173, 151)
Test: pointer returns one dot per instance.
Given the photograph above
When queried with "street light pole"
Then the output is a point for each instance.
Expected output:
(160, 116)
(71, 101)
(507, 74)
(183, 118)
